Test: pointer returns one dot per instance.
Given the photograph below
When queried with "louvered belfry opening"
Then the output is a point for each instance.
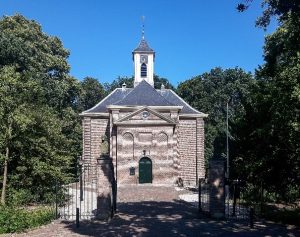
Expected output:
(143, 70)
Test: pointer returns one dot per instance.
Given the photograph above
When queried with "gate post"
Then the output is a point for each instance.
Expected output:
(216, 178)
(105, 195)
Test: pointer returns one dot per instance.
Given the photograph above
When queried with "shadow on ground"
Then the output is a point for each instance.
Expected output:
(177, 218)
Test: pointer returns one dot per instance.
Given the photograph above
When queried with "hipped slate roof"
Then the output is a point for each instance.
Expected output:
(143, 47)
(144, 95)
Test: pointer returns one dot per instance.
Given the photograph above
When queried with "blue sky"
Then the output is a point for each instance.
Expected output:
(189, 36)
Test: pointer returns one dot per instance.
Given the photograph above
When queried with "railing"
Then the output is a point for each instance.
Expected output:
(79, 199)
(204, 189)
(236, 205)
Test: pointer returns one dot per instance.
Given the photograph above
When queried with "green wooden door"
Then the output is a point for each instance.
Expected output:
(145, 170)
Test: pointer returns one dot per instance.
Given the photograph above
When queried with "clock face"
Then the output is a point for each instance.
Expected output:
(144, 59)
(145, 114)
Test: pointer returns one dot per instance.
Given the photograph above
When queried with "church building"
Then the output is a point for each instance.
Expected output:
(152, 135)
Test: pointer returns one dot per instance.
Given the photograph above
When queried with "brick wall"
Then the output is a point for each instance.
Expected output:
(93, 131)
(173, 150)
(191, 150)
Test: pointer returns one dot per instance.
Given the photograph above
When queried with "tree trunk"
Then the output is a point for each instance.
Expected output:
(3, 193)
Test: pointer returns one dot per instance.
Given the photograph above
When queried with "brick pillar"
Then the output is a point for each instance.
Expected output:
(105, 182)
(216, 178)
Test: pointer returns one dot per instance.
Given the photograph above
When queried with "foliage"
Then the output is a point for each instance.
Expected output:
(209, 93)
(92, 93)
(117, 83)
(282, 215)
(270, 143)
(19, 219)
(40, 132)
(159, 81)
(279, 8)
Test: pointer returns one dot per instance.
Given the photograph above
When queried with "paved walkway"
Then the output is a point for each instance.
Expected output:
(156, 211)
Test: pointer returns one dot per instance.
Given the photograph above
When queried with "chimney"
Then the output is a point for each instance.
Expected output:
(123, 86)
(162, 88)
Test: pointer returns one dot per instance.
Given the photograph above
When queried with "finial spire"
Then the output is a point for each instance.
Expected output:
(143, 27)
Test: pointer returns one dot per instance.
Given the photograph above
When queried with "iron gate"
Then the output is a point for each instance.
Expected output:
(80, 195)
(236, 206)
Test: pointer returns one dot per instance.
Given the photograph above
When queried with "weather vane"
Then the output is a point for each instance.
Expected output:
(143, 27)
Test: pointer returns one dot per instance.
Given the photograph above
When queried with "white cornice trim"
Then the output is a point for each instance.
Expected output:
(83, 114)
(145, 108)
(144, 124)
(135, 107)
(201, 115)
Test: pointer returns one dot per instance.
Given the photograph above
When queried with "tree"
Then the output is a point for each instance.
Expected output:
(271, 124)
(40, 130)
(117, 83)
(271, 144)
(159, 81)
(282, 9)
(209, 93)
(11, 112)
(92, 93)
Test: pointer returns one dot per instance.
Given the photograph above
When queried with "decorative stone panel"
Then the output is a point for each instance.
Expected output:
(156, 143)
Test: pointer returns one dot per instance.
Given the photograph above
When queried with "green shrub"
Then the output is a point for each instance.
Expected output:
(282, 215)
(19, 197)
(14, 219)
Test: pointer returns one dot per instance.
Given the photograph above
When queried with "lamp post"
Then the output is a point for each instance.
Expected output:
(227, 143)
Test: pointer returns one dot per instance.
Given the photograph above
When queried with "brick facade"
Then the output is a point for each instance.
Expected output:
(174, 144)
(191, 150)
(94, 128)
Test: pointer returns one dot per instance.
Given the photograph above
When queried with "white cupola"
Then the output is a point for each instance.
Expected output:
(143, 58)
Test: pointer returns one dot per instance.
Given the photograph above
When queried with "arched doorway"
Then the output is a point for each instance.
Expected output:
(145, 170)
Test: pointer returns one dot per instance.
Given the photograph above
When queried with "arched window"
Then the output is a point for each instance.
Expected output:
(144, 70)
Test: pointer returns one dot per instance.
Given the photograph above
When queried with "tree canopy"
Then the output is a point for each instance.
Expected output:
(282, 9)
(91, 94)
(209, 93)
(39, 125)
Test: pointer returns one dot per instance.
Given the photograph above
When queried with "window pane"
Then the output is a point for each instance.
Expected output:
(143, 70)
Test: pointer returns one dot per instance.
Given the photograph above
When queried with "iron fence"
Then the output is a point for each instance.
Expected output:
(78, 199)
(236, 204)
(204, 189)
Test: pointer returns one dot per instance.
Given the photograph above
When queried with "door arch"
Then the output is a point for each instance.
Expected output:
(145, 170)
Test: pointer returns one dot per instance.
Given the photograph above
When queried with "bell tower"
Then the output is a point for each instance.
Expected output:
(143, 58)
